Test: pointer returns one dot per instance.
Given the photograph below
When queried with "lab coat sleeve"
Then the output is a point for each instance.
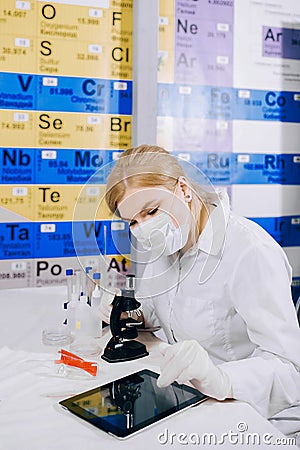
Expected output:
(150, 318)
(269, 379)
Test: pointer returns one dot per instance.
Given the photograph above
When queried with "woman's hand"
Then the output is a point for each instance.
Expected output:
(189, 361)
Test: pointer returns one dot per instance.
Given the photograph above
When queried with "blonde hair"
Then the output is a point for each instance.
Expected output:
(148, 166)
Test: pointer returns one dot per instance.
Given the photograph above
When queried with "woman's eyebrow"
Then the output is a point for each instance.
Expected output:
(146, 205)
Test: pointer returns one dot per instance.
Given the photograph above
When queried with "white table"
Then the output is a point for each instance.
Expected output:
(31, 420)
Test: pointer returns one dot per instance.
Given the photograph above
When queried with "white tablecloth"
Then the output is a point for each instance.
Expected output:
(30, 418)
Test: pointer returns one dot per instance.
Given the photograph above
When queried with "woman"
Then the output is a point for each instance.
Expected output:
(217, 284)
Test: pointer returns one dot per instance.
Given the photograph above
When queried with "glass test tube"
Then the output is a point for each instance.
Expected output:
(69, 275)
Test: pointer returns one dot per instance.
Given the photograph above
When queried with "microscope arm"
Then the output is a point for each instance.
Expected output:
(115, 317)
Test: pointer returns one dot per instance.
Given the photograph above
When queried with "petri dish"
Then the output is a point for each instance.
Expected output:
(86, 347)
(56, 336)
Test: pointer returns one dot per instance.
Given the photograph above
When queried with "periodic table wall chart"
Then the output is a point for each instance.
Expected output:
(229, 102)
(65, 115)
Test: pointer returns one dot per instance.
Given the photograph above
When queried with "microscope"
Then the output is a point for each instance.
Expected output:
(122, 347)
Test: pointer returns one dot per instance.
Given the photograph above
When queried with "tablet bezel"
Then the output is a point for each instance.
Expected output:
(119, 432)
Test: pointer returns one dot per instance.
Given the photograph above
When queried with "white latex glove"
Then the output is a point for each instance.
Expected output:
(189, 361)
(106, 304)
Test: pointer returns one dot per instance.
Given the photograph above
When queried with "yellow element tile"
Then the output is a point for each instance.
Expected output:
(83, 23)
(70, 202)
(64, 130)
(53, 203)
(96, 58)
(20, 16)
(18, 52)
(16, 202)
(166, 42)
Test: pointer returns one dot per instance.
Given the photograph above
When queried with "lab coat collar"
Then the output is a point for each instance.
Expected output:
(212, 238)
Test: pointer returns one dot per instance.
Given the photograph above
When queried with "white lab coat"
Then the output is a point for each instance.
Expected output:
(231, 292)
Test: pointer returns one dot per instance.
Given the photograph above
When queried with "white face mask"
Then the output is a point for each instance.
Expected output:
(159, 234)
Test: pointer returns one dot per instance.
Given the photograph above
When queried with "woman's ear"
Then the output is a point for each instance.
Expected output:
(185, 188)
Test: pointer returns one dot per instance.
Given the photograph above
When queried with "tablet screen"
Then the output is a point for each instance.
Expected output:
(131, 403)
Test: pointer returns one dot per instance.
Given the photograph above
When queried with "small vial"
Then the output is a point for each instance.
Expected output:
(88, 283)
(69, 275)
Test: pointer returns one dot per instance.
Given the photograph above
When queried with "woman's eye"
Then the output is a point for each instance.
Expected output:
(153, 211)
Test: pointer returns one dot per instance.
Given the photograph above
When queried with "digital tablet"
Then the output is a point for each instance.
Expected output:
(129, 404)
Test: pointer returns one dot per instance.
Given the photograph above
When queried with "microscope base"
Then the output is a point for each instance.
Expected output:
(125, 351)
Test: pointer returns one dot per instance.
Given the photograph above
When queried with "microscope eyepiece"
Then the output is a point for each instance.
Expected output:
(130, 282)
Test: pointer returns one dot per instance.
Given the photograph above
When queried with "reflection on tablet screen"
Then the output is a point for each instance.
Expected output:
(131, 403)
